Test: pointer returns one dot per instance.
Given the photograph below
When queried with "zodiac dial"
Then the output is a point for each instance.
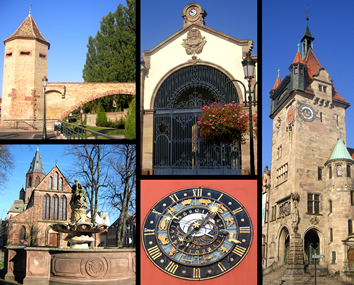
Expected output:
(197, 233)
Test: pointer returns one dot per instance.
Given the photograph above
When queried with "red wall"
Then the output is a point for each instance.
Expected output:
(245, 191)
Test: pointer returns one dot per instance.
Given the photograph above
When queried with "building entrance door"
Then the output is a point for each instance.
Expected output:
(53, 239)
(178, 148)
(312, 246)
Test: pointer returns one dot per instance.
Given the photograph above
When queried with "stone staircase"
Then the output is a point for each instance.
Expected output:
(276, 277)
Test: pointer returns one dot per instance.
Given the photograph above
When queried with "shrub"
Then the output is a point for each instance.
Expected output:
(130, 124)
(101, 120)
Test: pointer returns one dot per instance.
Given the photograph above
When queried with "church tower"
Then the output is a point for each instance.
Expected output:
(34, 175)
(25, 64)
(308, 205)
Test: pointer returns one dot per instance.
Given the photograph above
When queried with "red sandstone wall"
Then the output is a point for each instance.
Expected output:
(246, 193)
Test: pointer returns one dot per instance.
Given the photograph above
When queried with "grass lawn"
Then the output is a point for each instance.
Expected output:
(1, 264)
(105, 131)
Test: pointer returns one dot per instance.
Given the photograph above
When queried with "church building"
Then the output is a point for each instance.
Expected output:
(308, 193)
(195, 66)
(45, 201)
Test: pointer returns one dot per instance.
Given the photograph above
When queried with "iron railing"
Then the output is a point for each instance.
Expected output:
(72, 132)
(23, 124)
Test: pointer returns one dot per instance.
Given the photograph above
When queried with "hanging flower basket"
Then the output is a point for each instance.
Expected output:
(223, 123)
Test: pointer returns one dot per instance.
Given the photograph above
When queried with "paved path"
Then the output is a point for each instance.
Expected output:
(25, 135)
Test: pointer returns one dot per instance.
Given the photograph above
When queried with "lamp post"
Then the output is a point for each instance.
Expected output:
(248, 68)
(44, 136)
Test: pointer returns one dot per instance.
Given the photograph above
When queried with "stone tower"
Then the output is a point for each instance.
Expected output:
(34, 175)
(309, 202)
(25, 64)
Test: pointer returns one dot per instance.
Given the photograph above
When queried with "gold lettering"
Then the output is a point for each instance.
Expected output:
(239, 250)
(196, 272)
(238, 210)
(222, 267)
(154, 252)
(171, 267)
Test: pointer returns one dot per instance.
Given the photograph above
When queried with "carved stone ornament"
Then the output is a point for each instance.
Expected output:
(296, 218)
(194, 42)
(314, 220)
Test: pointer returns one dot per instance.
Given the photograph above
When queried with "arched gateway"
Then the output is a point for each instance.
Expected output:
(178, 148)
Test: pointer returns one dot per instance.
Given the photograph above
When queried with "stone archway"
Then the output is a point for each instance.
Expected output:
(283, 246)
(312, 245)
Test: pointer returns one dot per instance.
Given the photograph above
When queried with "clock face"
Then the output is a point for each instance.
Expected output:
(197, 233)
(290, 116)
(307, 113)
(193, 12)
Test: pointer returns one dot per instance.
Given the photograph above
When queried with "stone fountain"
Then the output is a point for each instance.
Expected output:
(77, 264)
(79, 231)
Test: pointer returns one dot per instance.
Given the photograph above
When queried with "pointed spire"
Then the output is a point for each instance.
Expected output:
(28, 30)
(36, 164)
(277, 81)
(307, 40)
(340, 151)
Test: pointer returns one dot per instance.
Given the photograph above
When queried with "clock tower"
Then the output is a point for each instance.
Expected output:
(310, 169)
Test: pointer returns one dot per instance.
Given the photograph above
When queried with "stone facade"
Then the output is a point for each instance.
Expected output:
(194, 45)
(308, 126)
(48, 203)
(25, 65)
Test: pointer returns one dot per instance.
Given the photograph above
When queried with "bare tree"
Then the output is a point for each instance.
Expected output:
(91, 170)
(6, 163)
(121, 191)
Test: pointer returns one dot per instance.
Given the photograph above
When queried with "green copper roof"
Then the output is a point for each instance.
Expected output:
(340, 151)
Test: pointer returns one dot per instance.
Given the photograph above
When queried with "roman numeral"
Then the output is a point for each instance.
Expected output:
(197, 192)
(148, 232)
(245, 230)
(238, 210)
(220, 197)
(154, 252)
(196, 272)
(173, 197)
(239, 250)
(222, 267)
(171, 267)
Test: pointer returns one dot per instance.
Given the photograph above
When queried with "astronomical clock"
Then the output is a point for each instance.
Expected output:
(197, 233)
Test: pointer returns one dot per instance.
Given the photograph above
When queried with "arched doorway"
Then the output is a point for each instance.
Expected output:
(312, 246)
(284, 243)
(177, 146)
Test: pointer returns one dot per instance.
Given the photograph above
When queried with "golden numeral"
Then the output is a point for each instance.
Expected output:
(196, 272)
(156, 212)
(238, 210)
(148, 232)
(173, 197)
(220, 197)
(222, 267)
(154, 252)
(245, 230)
(197, 192)
(171, 267)
(239, 250)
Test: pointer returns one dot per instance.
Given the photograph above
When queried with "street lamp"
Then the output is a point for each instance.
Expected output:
(44, 136)
(248, 68)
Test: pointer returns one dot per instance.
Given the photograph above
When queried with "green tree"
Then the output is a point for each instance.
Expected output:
(111, 54)
(130, 129)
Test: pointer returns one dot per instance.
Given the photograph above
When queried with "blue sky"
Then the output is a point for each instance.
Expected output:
(67, 26)
(23, 155)
(331, 24)
(160, 19)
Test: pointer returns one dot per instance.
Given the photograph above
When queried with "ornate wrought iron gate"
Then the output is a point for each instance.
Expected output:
(177, 146)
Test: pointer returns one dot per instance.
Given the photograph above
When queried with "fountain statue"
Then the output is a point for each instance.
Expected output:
(79, 231)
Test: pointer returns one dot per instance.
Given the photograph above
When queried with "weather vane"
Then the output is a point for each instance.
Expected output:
(30, 10)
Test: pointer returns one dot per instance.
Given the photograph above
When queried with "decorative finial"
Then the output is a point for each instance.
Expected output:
(29, 15)
(298, 47)
(339, 135)
(307, 12)
(278, 72)
(56, 161)
(37, 147)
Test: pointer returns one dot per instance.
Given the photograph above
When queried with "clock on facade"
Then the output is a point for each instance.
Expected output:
(197, 233)
(193, 12)
(307, 113)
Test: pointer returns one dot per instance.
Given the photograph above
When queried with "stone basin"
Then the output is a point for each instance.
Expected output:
(79, 234)
(47, 265)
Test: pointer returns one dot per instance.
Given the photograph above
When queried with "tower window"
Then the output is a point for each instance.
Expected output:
(339, 170)
(313, 203)
(44, 56)
(330, 172)
(330, 206)
(324, 88)
(333, 257)
(9, 54)
(25, 53)
(350, 227)
(352, 197)
(330, 235)
(274, 211)
(348, 171)
(320, 170)
(319, 87)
